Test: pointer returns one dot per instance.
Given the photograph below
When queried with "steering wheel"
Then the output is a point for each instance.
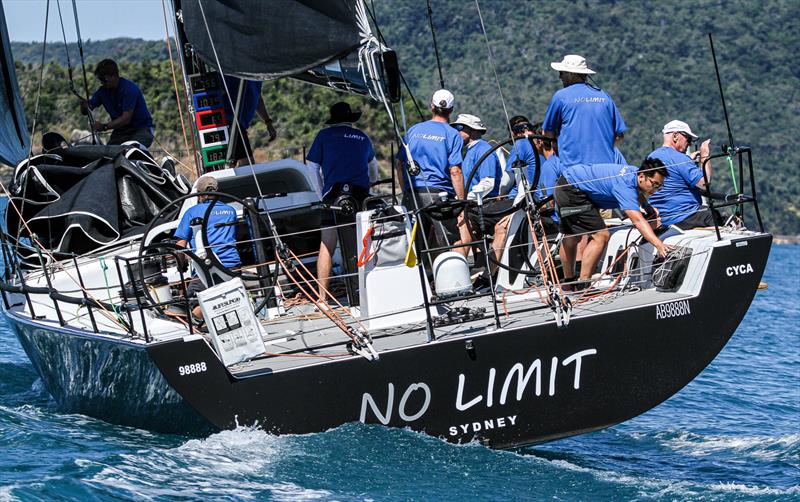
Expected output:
(210, 259)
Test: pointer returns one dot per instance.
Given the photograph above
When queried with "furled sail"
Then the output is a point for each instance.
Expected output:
(14, 138)
(326, 42)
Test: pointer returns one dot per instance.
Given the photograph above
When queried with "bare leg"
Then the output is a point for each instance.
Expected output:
(569, 250)
(500, 236)
(592, 252)
(324, 261)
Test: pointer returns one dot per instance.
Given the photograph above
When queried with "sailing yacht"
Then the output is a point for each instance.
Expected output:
(94, 288)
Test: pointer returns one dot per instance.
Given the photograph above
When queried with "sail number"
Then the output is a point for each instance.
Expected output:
(190, 369)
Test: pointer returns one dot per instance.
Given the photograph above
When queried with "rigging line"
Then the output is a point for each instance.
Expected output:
(35, 119)
(175, 80)
(80, 47)
(721, 94)
(435, 45)
(225, 84)
(66, 48)
(494, 69)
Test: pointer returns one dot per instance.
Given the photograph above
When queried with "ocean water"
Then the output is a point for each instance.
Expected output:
(732, 434)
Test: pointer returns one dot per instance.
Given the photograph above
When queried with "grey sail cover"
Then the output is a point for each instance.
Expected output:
(14, 139)
(264, 40)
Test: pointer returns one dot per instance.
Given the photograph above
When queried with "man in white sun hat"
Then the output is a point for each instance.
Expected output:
(436, 153)
(582, 117)
(679, 202)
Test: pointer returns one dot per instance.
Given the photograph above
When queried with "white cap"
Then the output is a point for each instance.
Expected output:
(443, 99)
(470, 121)
(678, 126)
(572, 63)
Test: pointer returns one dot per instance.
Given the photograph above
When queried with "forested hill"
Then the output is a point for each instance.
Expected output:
(653, 58)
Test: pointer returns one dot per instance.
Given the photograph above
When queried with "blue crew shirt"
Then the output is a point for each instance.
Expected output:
(435, 147)
(585, 121)
(679, 197)
(618, 157)
(221, 240)
(609, 186)
(125, 97)
(489, 168)
(250, 99)
(521, 150)
(551, 171)
(344, 153)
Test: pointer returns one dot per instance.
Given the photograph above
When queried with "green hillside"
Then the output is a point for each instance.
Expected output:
(653, 58)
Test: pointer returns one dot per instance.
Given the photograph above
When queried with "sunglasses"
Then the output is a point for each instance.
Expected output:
(103, 78)
(522, 127)
(688, 138)
(458, 127)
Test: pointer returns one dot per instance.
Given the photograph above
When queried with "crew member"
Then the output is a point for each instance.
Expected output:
(548, 179)
(344, 157)
(679, 202)
(251, 104)
(487, 177)
(522, 158)
(582, 190)
(220, 231)
(125, 104)
(436, 151)
(583, 117)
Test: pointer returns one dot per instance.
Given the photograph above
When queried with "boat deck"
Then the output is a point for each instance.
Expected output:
(306, 337)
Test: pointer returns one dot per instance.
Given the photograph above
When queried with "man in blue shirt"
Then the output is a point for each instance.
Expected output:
(251, 103)
(584, 118)
(220, 228)
(125, 104)
(522, 158)
(584, 189)
(344, 157)
(485, 180)
(435, 149)
(679, 202)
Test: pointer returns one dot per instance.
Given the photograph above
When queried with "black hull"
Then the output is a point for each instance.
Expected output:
(599, 371)
(108, 379)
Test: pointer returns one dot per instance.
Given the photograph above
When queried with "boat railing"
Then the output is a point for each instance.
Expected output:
(743, 156)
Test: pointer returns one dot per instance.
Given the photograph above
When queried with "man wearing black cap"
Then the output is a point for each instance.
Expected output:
(344, 157)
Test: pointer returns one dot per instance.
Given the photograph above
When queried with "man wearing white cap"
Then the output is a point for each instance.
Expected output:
(679, 202)
(582, 117)
(487, 177)
(435, 149)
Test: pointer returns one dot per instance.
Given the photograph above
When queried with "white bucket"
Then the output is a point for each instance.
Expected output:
(451, 274)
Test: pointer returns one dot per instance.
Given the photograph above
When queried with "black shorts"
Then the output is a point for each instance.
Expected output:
(576, 211)
(489, 221)
(440, 232)
(702, 218)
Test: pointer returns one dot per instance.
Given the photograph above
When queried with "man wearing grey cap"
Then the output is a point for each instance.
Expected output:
(583, 117)
(679, 202)
(220, 231)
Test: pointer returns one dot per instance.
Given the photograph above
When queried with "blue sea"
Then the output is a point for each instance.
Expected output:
(732, 434)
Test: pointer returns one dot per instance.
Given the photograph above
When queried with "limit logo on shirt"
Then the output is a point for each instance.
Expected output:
(428, 137)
